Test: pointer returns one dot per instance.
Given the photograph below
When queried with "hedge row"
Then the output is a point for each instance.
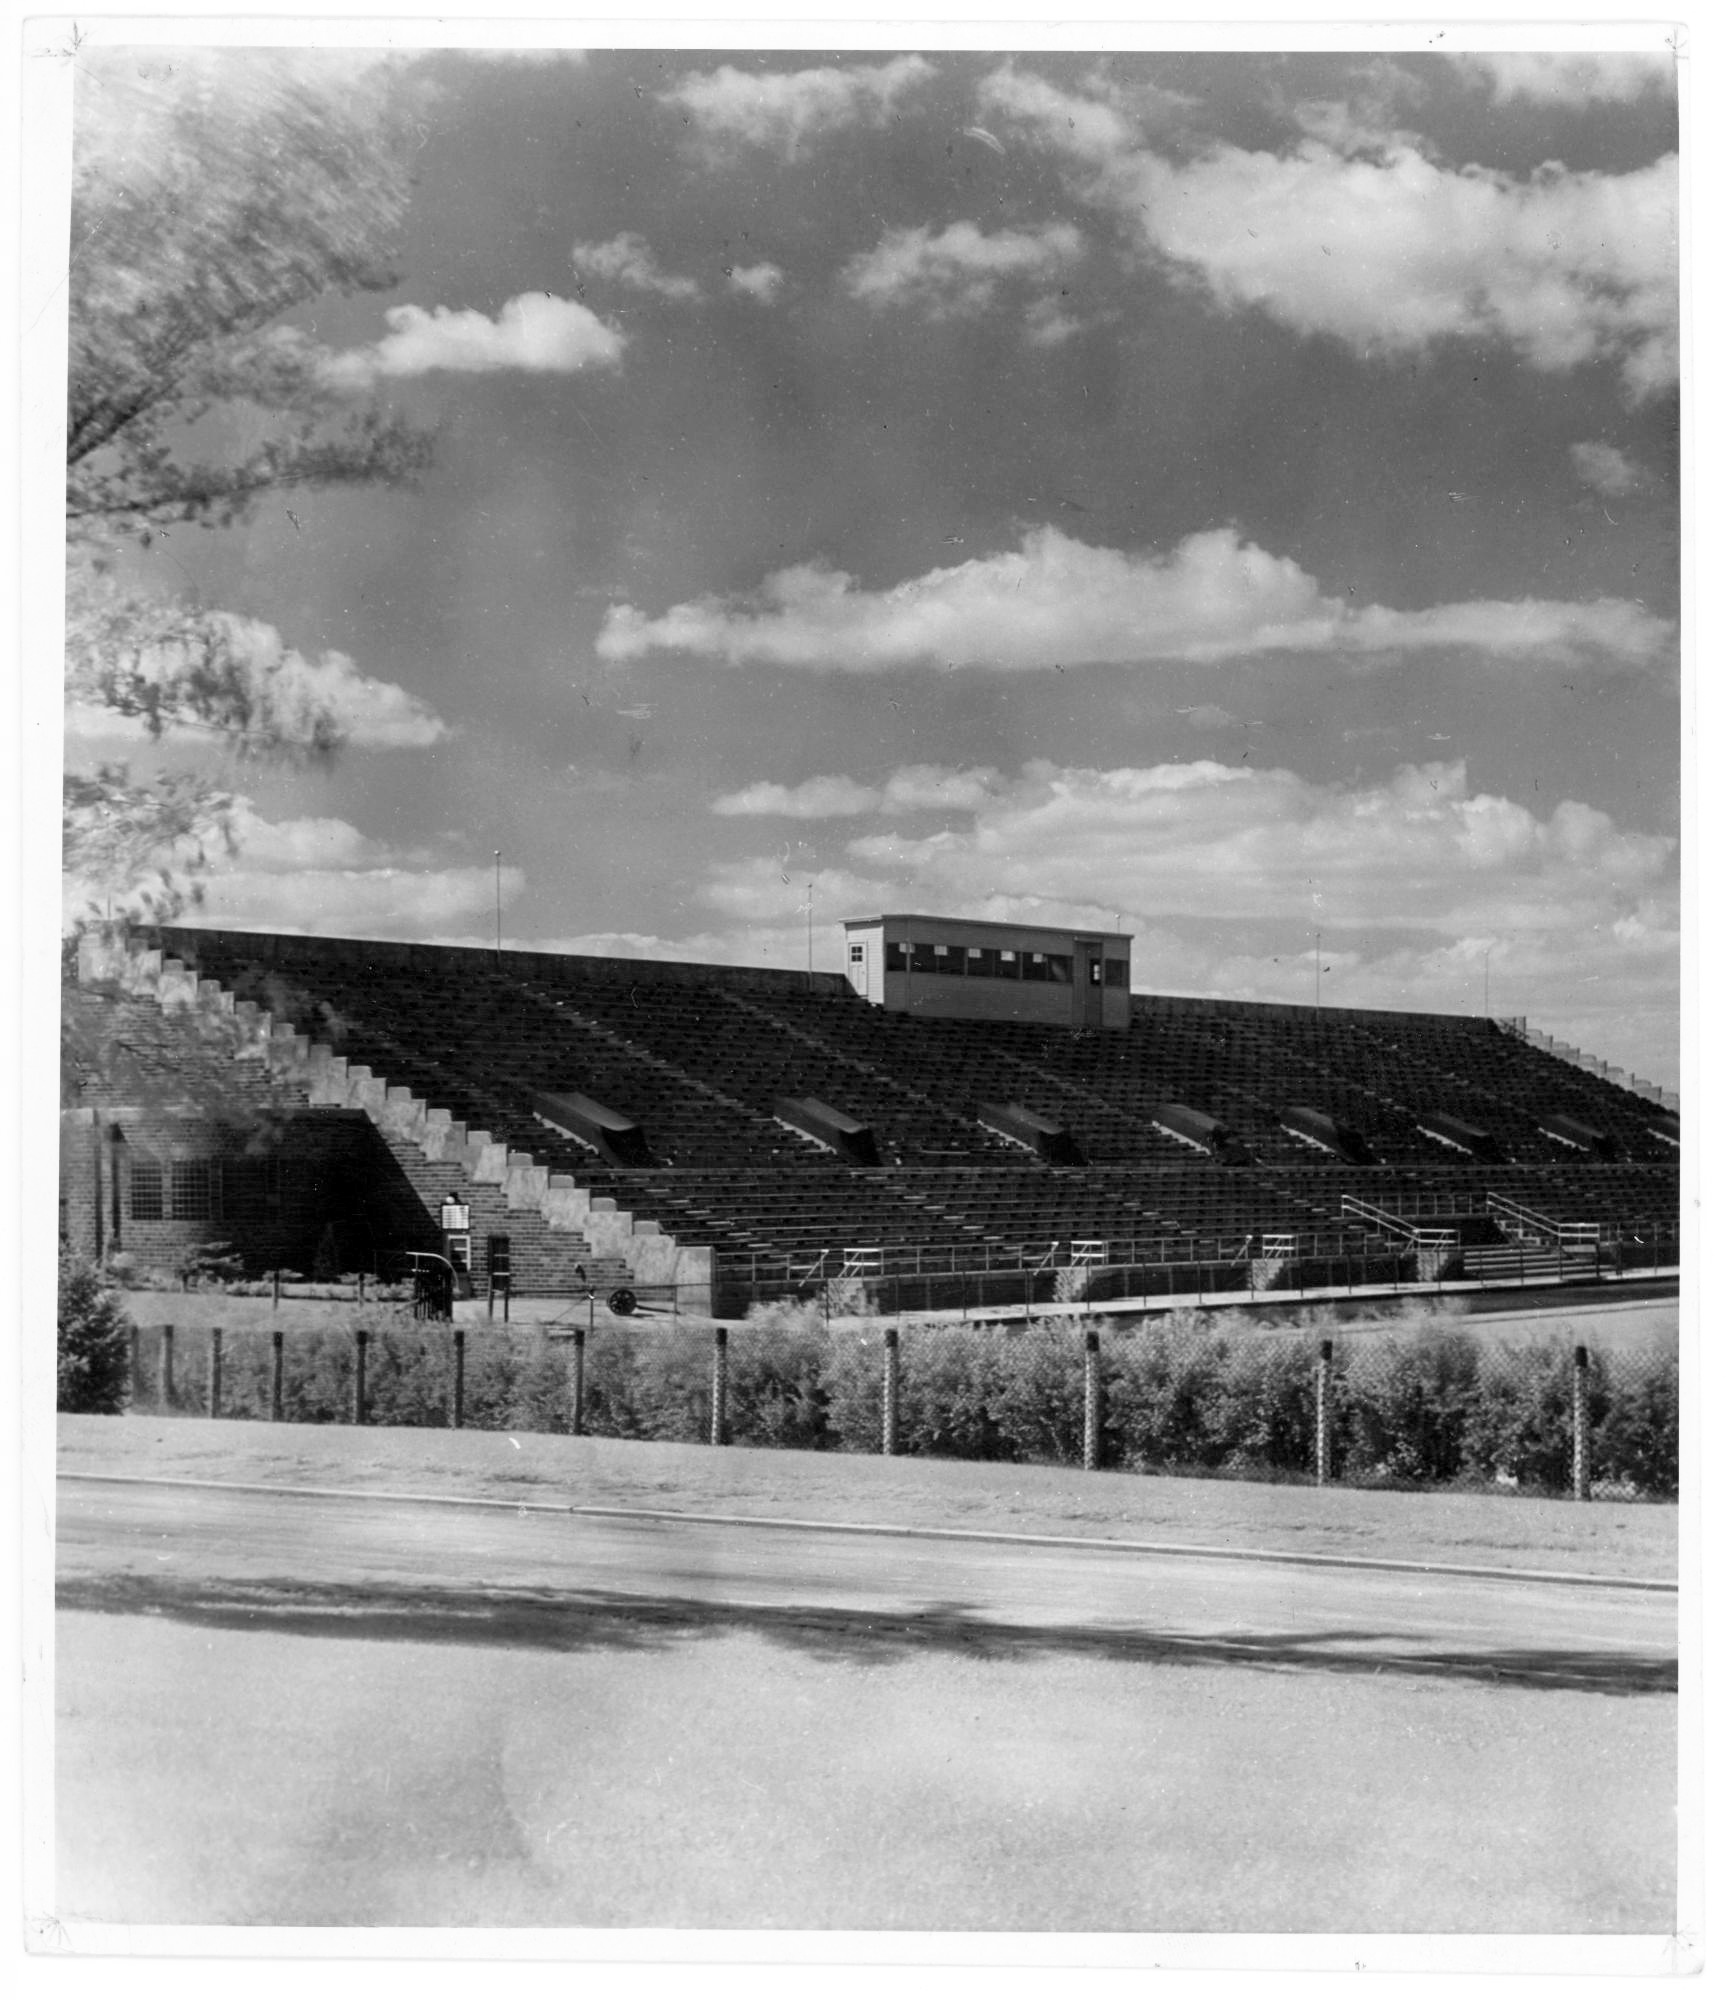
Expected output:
(1423, 1403)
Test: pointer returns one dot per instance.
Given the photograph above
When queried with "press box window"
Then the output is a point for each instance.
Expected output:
(1059, 965)
(922, 958)
(1114, 972)
(981, 961)
(948, 961)
(1009, 965)
(895, 956)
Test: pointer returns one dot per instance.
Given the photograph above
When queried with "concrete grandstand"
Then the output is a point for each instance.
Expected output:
(720, 1134)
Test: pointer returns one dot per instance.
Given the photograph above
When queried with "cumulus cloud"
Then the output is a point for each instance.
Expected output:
(785, 110)
(326, 878)
(628, 259)
(1223, 842)
(1571, 80)
(1221, 873)
(1606, 469)
(912, 788)
(1056, 601)
(1390, 251)
(281, 692)
(761, 281)
(814, 798)
(1047, 323)
(534, 334)
(959, 270)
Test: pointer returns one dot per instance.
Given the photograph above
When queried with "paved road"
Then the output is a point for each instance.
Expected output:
(245, 1556)
(340, 1710)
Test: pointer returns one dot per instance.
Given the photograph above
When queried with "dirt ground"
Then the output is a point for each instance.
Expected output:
(1502, 1530)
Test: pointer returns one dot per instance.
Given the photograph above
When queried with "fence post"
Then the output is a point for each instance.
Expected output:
(276, 1289)
(136, 1344)
(1324, 1444)
(889, 1393)
(716, 1425)
(577, 1381)
(215, 1380)
(360, 1337)
(275, 1375)
(165, 1369)
(1092, 1399)
(457, 1375)
(1581, 1427)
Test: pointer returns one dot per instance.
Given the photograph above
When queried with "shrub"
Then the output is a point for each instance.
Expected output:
(1404, 1407)
(776, 1392)
(95, 1341)
(1036, 1400)
(1519, 1425)
(1165, 1395)
(1637, 1441)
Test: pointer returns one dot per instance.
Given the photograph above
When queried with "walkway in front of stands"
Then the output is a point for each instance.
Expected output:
(573, 1312)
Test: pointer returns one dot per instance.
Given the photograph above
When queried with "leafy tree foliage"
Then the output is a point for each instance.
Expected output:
(213, 193)
(205, 206)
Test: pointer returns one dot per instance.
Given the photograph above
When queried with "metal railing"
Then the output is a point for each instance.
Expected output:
(778, 1273)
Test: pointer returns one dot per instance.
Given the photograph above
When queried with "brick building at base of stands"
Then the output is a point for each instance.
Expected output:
(719, 1134)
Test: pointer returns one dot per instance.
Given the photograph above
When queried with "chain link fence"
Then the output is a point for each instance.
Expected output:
(1418, 1400)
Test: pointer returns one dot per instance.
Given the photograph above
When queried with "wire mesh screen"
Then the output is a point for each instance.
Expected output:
(1417, 1399)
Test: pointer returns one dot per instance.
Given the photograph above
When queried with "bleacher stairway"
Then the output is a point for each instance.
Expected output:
(454, 1053)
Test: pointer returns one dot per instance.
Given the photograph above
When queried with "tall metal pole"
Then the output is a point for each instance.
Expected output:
(1318, 970)
(811, 937)
(497, 867)
(1488, 981)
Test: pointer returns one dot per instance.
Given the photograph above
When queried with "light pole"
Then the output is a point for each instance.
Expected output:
(811, 937)
(497, 867)
(1318, 969)
(1488, 981)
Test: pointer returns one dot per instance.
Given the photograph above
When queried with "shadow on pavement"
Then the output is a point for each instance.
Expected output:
(564, 1621)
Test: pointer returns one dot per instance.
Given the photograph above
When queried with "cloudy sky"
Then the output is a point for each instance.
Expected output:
(1231, 498)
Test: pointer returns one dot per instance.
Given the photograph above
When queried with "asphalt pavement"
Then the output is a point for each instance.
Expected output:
(440, 1570)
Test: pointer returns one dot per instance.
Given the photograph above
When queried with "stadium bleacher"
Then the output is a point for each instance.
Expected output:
(698, 1058)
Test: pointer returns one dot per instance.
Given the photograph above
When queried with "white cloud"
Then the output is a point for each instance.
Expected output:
(814, 798)
(1222, 873)
(1573, 80)
(326, 878)
(913, 788)
(761, 281)
(786, 109)
(1047, 322)
(1606, 469)
(1057, 601)
(1226, 843)
(628, 259)
(282, 690)
(1390, 251)
(939, 788)
(961, 269)
(535, 334)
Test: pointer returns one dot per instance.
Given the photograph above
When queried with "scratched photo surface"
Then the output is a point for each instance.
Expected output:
(659, 506)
